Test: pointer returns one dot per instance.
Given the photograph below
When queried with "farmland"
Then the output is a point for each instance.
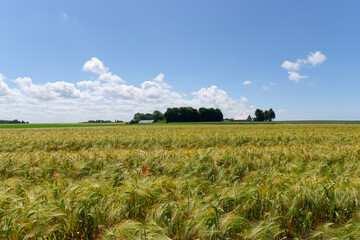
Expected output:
(236, 181)
(58, 125)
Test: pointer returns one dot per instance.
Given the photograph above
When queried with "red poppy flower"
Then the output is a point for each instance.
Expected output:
(149, 175)
(144, 169)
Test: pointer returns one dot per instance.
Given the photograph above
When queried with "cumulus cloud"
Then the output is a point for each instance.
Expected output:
(106, 97)
(91, 86)
(48, 91)
(294, 76)
(212, 96)
(159, 78)
(265, 88)
(247, 82)
(316, 58)
(5, 91)
(313, 59)
(96, 66)
(291, 66)
(215, 97)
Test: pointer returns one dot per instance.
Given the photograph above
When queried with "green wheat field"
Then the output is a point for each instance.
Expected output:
(250, 181)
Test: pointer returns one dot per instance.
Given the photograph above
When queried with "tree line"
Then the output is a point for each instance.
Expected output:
(103, 121)
(156, 116)
(189, 114)
(182, 114)
(12, 122)
(266, 115)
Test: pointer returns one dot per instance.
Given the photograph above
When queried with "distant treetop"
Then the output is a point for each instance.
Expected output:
(267, 115)
(156, 116)
(189, 114)
(12, 122)
(182, 114)
(103, 121)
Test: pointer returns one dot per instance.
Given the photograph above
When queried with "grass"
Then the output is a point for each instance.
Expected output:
(250, 181)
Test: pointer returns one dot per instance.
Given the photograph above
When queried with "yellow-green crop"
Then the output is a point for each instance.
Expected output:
(206, 182)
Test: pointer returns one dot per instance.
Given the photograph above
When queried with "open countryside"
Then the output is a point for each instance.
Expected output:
(190, 181)
(179, 120)
(68, 125)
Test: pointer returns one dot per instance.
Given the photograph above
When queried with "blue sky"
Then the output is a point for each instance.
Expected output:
(71, 61)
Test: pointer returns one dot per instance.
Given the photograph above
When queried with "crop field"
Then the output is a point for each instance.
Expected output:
(255, 181)
(68, 125)
(58, 125)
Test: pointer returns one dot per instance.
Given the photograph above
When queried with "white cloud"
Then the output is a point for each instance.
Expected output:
(106, 97)
(316, 58)
(296, 77)
(5, 91)
(247, 82)
(48, 91)
(212, 96)
(218, 98)
(89, 85)
(96, 66)
(159, 78)
(293, 67)
(109, 77)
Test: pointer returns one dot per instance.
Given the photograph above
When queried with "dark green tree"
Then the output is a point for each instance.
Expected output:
(259, 115)
(194, 115)
(189, 114)
(212, 114)
(137, 117)
(172, 115)
(147, 116)
(12, 122)
(205, 115)
(271, 115)
(266, 115)
(142, 116)
(184, 114)
(218, 115)
(158, 116)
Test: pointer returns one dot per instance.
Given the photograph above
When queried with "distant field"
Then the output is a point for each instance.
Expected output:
(276, 122)
(215, 181)
(65, 125)
(58, 125)
(318, 122)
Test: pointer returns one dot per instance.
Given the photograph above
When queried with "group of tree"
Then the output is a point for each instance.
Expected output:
(12, 122)
(267, 115)
(156, 116)
(182, 114)
(189, 114)
(103, 121)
